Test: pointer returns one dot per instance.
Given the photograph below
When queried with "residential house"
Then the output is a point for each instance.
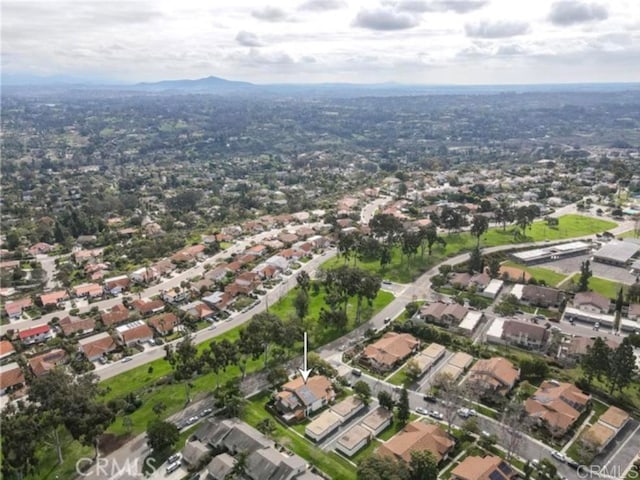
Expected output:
(446, 313)
(97, 346)
(526, 334)
(297, 399)
(189, 254)
(490, 467)
(40, 248)
(248, 281)
(556, 406)
(353, 440)
(572, 351)
(144, 275)
(134, 332)
(175, 295)
(11, 378)
(288, 238)
(71, 325)
(378, 420)
(54, 299)
(347, 408)
(147, 307)
(164, 323)
(33, 335)
(265, 271)
(200, 286)
(429, 357)
(194, 452)
(216, 274)
(45, 362)
(388, 352)
(88, 256)
(264, 461)
(495, 374)
(198, 310)
(634, 312)
(279, 262)
(118, 314)
(457, 365)
(544, 297)
(88, 290)
(6, 349)
(418, 436)
(116, 285)
(14, 309)
(608, 426)
(493, 288)
(591, 302)
(322, 425)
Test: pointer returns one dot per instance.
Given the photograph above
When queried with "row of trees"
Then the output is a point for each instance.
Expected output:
(617, 367)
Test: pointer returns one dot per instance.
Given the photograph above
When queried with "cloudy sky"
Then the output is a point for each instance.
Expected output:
(292, 41)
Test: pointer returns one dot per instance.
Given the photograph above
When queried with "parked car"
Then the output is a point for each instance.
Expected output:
(172, 467)
(174, 458)
(467, 412)
(572, 463)
(430, 398)
(206, 411)
(387, 320)
(435, 414)
(422, 411)
(559, 456)
(126, 359)
(356, 372)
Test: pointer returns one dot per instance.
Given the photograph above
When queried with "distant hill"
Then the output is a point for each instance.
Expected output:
(216, 84)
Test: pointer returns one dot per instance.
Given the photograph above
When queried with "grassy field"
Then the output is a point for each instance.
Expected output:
(403, 271)
(366, 451)
(329, 462)
(320, 336)
(550, 277)
(605, 287)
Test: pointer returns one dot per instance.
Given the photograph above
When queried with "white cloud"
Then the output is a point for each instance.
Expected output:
(385, 19)
(412, 41)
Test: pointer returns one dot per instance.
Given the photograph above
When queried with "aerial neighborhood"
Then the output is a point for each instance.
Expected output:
(316, 316)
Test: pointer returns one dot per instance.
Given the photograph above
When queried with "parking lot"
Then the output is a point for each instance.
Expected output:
(602, 270)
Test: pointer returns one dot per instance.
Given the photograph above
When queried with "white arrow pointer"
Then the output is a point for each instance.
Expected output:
(304, 371)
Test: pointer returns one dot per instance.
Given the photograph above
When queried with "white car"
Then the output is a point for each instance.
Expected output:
(422, 411)
(467, 412)
(435, 414)
(559, 456)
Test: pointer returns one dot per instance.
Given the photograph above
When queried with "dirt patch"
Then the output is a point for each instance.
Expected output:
(110, 443)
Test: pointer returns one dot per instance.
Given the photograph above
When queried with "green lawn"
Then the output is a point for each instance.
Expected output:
(329, 462)
(366, 451)
(605, 287)
(48, 468)
(397, 378)
(394, 428)
(550, 277)
(320, 336)
(403, 271)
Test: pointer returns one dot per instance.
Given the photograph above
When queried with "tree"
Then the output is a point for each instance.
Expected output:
(620, 300)
(596, 361)
(412, 372)
(230, 397)
(479, 225)
(494, 267)
(267, 427)
(386, 400)
(378, 467)
(429, 235)
(585, 275)
(185, 358)
(533, 370)
(240, 465)
(304, 281)
(514, 423)
(403, 412)
(20, 437)
(504, 214)
(363, 391)
(475, 261)
(423, 466)
(507, 306)
(161, 435)
(450, 393)
(316, 363)
(633, 293)
(622, 366)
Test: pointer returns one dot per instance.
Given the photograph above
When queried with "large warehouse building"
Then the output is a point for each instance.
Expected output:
(617, 253)
(555, 252)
